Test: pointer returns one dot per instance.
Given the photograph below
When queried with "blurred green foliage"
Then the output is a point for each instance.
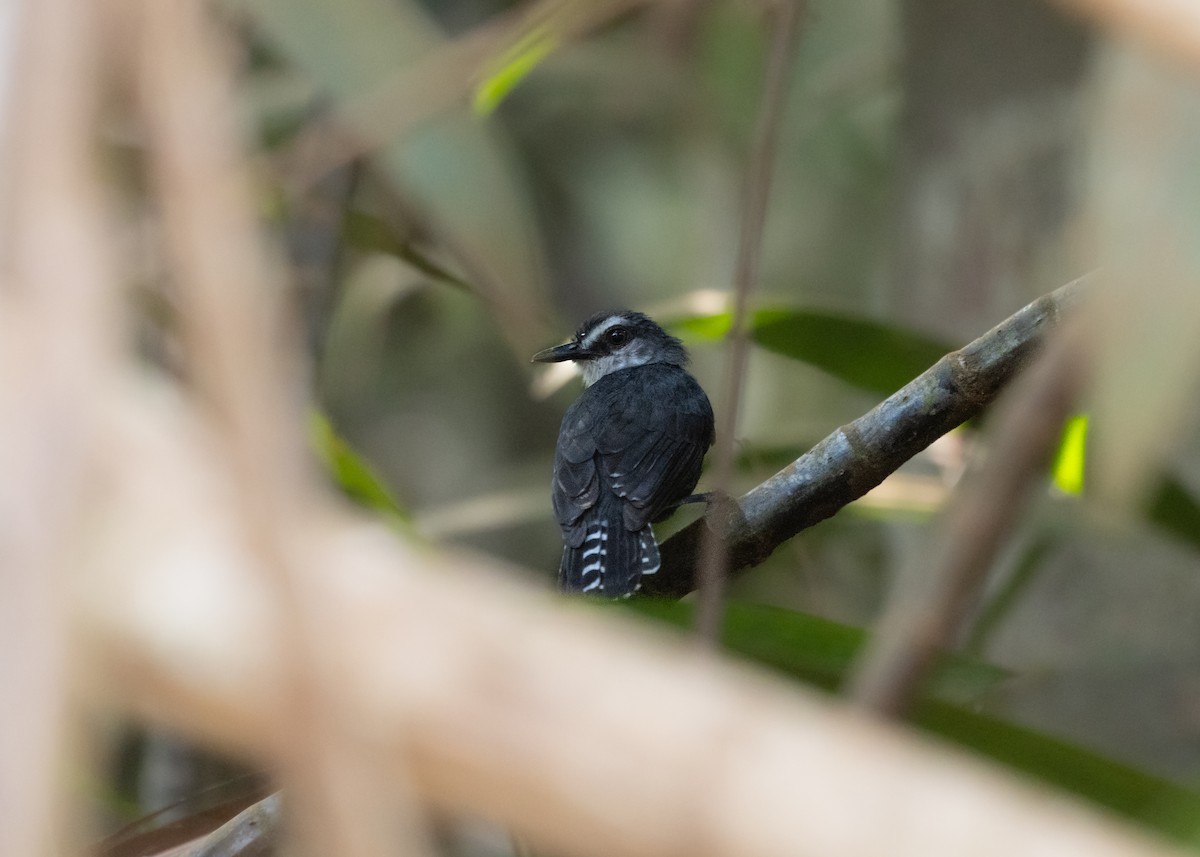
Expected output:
(1071, 459)
(879, 358)
(820, 653)
(813, 649)
(351, 474)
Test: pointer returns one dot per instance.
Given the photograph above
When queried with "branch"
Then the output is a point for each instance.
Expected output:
(857, 457)
(985, 507)
(587, 734)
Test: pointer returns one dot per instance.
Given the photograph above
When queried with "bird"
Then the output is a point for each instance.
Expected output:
(629, 452)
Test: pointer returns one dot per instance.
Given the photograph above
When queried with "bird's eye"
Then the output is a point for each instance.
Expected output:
(616, 336)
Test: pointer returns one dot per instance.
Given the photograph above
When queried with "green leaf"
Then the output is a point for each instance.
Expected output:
(701, 328)
(1173, 509)
(874, 356)
(1157, 803)
(1071, 458)
(353, 475)
(811, 648)
(868, 354)
(513, 66)
(819, 652)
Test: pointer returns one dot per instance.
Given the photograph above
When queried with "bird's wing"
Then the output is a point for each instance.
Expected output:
(652, 446)
(652, 473)
(641, 437)
(576, 485)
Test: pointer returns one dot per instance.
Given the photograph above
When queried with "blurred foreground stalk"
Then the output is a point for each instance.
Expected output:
(584, 733)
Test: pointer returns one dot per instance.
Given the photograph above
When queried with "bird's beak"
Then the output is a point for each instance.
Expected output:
(570, 351)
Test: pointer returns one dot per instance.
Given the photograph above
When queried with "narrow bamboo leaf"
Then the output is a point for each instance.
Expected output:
(513, 66)
(868, 354)
(1072, 456)
(353, 475)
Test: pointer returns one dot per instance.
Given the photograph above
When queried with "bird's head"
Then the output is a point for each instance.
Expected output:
(609, 341)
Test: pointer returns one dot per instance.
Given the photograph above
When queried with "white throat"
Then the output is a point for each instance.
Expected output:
(634, 354)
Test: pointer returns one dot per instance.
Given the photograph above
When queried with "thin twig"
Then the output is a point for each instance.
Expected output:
(984, 509)
(714, 556)
(857, 457)
(314, 235)
(58, 346)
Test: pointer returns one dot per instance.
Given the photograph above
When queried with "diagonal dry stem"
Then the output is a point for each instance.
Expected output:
(714, 555)
(985, 507)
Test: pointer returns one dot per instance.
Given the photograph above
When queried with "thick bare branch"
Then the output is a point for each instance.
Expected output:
(236, 326)
(587, 734)
(857, 457)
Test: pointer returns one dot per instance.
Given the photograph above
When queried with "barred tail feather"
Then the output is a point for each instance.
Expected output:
(611, 560)
(651, 562)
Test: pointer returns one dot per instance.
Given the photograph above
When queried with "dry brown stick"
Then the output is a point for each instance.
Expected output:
(784, 23)
(589, 735)
(58, 325)
(860, 455)
(983, 510)
(246, 367)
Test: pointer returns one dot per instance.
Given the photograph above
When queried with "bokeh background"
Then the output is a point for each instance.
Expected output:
(457, 183)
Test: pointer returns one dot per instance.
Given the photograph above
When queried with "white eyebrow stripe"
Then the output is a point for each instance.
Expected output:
(599, 330)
